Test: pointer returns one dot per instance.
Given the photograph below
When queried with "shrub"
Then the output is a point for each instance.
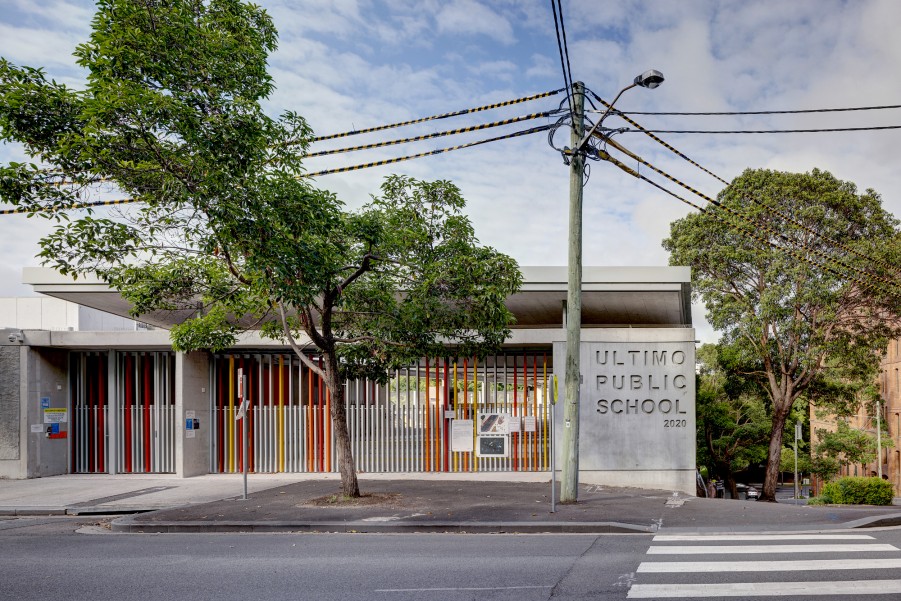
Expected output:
(854, 490)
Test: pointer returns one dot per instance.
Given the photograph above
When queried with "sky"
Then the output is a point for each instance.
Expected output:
(348, 65)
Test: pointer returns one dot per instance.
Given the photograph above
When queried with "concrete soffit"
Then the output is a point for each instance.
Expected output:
(636, 297)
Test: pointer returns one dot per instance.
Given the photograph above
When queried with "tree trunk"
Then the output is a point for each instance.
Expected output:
(732, 486)
(774, 456)
(349, 484)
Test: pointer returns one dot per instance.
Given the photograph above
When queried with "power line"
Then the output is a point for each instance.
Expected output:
(524, 132)
(400, 124)
(736, 113)
(735, 226)
(753, 222)
(434, 117)
(566, 74)
(761, 131)
(71, 207)
(569, 69)
(439, 134)
(753, 199)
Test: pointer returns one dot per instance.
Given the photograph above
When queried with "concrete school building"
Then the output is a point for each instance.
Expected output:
(83, 389)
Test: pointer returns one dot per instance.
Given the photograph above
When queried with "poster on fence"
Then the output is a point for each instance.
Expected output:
(461, 436)
(494, 423)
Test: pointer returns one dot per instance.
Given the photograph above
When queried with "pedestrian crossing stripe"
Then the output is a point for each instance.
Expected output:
(765, 589)
(756, 549)
(707, 567)
(687, 538)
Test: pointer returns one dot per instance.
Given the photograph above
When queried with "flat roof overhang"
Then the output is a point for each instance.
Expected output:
(611, 297)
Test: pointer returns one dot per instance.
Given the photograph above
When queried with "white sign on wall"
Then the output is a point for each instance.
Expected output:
(461, 435)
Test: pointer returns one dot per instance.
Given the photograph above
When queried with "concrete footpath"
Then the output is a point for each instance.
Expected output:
(480, 502)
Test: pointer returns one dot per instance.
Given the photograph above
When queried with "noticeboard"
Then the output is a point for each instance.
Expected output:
(461, 435)
(492, 446)
(494, 423)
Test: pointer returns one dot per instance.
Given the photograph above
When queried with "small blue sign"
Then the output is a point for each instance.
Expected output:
(54, 428)
(45, 402)
(189, 424)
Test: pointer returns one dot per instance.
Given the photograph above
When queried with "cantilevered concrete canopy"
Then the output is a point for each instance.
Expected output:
(611, 297)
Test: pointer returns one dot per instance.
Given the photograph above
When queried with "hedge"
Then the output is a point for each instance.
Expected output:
(854, 490)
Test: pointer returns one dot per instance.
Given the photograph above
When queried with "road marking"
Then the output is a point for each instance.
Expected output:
(481, 588)
(685, 538)
(660, 567)
(765, 589)
(723, 549)
(626, 580)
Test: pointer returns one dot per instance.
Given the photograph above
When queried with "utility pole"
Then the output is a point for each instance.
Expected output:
(797, 437)
(569, 486)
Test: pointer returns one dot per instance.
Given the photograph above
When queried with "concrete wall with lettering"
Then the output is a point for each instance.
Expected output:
(637, 408)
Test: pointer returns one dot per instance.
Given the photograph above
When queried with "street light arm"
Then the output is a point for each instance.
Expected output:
(601, 120)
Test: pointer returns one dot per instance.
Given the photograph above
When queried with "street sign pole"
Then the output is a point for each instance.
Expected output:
(242, 415)
(553, 446)
(797, 437)
(244, 431)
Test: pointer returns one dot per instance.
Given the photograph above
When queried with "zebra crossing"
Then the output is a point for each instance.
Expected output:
(733, 566)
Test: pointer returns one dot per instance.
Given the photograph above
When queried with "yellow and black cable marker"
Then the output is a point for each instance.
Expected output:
(403, 123)
(524, 132)
(742, 229)
(449, 132)
(434, 117)
(70, 207)
(517, 134)
(756, 224)
(755, 200)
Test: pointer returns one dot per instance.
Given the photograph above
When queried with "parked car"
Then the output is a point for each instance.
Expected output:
(753, 493)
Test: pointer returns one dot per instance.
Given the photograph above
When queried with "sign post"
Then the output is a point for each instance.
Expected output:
(797, 437)
(242, 415)
(553, 446)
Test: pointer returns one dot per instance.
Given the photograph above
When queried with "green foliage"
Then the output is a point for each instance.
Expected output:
(787, 461)
(824, 466)
(794, 327)
(853, 490)
(847, 445)
(228, 234)
(733, 425)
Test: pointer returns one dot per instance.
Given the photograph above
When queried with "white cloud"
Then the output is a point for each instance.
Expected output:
(468, 17)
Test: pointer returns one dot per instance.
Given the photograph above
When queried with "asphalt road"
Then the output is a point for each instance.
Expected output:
(44, 558)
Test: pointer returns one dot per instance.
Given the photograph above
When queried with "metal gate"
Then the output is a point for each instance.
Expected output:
(142, 425)
(401, 426)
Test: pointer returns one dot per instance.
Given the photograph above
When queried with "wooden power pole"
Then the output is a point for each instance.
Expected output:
(569, 490)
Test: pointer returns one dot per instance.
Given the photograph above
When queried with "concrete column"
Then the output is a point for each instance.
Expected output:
(192, 401)
(13, 422)
(44, 375)
(112, 412)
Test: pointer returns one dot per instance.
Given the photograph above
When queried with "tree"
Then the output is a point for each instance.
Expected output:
(846, 445)
(227, 234)
(796, 318)
(733, 426)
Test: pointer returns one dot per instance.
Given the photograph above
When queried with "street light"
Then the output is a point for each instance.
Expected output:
(570, 477)
(650, 79)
